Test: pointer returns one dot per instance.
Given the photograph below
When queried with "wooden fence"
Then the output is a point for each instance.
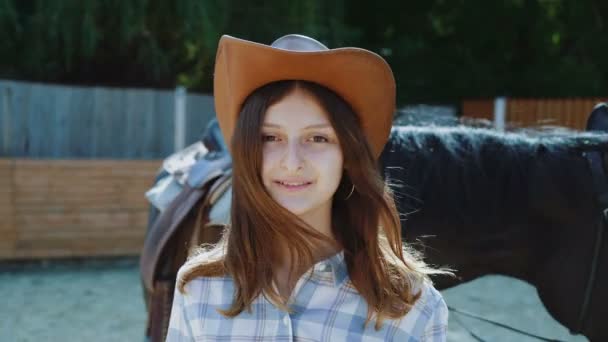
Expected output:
(65, 122)
(73, 208)
(567, 112)
(80, 198)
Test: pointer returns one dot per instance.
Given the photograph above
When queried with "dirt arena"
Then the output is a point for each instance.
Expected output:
(101, 300)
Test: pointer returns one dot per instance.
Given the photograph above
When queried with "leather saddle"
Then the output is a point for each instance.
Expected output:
(200, 177)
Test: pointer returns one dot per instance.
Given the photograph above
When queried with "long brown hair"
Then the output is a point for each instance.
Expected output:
(366, 225)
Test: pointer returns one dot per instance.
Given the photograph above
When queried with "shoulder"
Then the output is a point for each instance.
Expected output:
(200, 288)
(430, 299)
(199, 300)
(208, 291)
(430, 314)
(427, 317)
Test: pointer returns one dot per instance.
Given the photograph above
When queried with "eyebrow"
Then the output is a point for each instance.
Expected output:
(307, 127)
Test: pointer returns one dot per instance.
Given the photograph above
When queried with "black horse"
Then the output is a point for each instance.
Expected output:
(518, 204)
(515, 204)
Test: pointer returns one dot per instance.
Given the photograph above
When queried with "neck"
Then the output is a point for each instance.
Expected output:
(319, 220)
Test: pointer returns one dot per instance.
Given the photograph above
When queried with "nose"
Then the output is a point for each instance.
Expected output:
(292, 160)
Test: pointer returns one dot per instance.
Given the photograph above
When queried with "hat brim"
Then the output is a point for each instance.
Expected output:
(362, 78)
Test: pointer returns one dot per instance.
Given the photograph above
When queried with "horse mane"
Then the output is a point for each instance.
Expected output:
(463, 174)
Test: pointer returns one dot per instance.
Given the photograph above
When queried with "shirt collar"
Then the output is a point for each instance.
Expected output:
(333, 266)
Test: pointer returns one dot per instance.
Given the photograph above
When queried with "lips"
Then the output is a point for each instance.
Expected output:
(293, 185)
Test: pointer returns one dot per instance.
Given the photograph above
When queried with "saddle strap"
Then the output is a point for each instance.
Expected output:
(189, 233)
(159, 311)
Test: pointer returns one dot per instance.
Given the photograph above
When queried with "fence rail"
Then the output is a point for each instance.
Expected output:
(567, 112)
(65, 122)
(73, 208)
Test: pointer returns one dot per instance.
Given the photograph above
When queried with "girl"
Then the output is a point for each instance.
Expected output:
(313, 251)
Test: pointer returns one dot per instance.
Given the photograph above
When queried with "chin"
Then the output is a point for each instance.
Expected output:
(297, 210)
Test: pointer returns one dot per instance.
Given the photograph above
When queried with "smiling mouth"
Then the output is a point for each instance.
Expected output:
(293, 186)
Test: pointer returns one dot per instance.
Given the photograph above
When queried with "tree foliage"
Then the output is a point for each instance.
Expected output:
(440, 50)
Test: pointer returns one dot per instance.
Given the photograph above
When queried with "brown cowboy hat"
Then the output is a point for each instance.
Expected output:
(360, 77)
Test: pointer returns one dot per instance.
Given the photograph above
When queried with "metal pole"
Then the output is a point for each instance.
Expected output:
(180, 119)
(500, 113)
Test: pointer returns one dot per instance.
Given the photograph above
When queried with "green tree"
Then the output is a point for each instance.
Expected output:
(440, 50)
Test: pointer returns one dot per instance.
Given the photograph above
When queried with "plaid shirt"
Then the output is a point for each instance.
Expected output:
(326, 308)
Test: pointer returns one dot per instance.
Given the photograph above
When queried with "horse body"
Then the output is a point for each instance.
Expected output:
(484, 203)
(570, 216)
(462, 196)
(492, 203)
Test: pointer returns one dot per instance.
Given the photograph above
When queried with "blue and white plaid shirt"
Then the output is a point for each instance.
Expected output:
(326, 308)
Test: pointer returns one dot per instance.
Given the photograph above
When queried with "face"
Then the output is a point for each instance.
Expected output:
(302, 159)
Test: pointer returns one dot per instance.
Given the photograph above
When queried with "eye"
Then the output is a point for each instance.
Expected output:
(269, 138)
(319, 138)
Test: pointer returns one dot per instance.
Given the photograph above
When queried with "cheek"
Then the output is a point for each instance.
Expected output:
(332, 164)
(269, 160)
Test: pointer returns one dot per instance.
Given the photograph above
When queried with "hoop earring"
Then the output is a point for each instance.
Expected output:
(351, 192)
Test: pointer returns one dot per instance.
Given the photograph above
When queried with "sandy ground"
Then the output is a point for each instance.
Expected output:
(102, 301)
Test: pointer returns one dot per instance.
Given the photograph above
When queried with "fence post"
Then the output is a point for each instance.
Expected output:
(180, 118)
(500, 113)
